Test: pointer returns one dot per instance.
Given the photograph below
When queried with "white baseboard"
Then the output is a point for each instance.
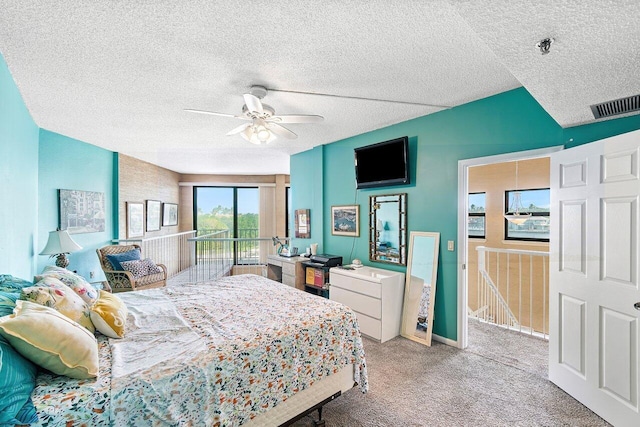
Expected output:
(444, 340)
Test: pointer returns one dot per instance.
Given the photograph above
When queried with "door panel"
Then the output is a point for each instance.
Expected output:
(594, 341)
(573, 236)
(618, 246)
(572, 330)
(618, 356)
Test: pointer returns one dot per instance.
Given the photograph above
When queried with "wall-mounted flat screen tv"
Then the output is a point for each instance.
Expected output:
(382, 164)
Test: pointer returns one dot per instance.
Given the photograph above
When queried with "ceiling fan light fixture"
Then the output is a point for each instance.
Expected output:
(263, 133)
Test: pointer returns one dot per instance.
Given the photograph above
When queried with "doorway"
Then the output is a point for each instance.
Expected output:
(465, 243)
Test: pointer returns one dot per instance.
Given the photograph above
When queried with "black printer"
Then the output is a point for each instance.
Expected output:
(323, 261)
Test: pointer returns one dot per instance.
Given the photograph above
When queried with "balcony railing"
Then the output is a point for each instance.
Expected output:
(512, 290)
(219, 255)
(195, 256)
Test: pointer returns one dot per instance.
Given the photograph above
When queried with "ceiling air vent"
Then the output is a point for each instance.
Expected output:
(616, 107)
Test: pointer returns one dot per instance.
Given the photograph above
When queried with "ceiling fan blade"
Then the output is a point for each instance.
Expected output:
(282, 131)
(239, 129)
(292, 118)
(253, 103)
(216, 114)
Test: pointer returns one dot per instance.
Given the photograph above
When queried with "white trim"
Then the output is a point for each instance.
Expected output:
(444, 340)
(226, 184)
(463, 185)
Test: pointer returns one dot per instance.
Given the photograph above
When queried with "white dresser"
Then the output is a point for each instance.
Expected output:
(374, 294)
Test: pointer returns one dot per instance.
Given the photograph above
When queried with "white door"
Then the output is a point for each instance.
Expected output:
(594, 332)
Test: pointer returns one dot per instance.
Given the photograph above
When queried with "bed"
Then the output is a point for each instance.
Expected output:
(241, 350)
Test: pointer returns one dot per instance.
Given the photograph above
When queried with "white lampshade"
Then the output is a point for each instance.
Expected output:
(60, 243)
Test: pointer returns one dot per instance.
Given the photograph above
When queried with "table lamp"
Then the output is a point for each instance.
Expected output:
(60, 244)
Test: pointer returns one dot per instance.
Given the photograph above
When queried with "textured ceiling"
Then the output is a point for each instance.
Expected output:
(118, 74)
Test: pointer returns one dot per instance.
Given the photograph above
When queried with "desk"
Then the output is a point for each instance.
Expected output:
(286, 270)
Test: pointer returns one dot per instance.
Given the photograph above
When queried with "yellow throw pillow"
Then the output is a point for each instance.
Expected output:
(51, 340)
(51, 292)
(109, 315)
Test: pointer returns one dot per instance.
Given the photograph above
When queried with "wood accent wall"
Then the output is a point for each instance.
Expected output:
(494, 180)
(139, 181)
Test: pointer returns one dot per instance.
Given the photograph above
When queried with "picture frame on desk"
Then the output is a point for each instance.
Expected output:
(345, 220)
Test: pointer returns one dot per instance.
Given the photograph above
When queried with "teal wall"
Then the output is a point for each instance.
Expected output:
(309, 196)
(507, 122)
(67, 163)
(34, 164)
(19, 177)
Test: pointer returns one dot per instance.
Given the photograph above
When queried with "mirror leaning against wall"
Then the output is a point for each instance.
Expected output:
(388, 228)
(420, 286)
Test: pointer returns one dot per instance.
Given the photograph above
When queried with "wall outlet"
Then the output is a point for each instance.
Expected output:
(92, 275)
(450, 246)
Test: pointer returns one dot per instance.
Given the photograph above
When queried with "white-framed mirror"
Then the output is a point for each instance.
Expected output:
(420, 286)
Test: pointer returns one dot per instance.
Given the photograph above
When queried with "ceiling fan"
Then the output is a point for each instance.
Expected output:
(264, 125)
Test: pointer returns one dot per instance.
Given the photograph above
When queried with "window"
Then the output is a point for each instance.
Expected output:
(476, 221)
(536, 228)
(228, 212)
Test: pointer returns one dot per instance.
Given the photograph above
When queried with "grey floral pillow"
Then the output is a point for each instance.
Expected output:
(140, 268)
(136, 267)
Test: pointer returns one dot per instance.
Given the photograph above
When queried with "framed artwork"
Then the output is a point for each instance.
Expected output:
(153, 215)
(345, 220)
(169, 214)
(303, 224)
(135, 219)
(81, 211)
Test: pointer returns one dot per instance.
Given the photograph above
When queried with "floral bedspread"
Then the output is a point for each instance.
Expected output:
(232, 349)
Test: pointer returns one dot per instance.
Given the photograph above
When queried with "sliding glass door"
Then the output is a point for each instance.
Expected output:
(229, 213)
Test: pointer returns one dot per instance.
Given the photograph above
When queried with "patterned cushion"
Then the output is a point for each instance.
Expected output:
(51, 292)
(141, 268)
(17, 380)
(152, 268)
(51, 340)
(116, 260)
(109, 315)
(137, 268)
(76, 282)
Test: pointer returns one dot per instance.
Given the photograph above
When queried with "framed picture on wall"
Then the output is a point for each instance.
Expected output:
(169, 214)
(303, 223)
(153, 215)
(345, 220)
(81, 211)
(135, 219)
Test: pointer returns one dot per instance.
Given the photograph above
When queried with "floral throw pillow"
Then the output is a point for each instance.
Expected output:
(76, 282)
(51, 292)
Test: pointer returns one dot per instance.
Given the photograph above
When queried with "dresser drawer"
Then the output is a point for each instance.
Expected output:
(359, 303)
(288, 279)
(370, 326)
(365, 287)
(288, 268)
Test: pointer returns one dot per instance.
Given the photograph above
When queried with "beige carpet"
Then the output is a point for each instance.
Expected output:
(415, 385)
